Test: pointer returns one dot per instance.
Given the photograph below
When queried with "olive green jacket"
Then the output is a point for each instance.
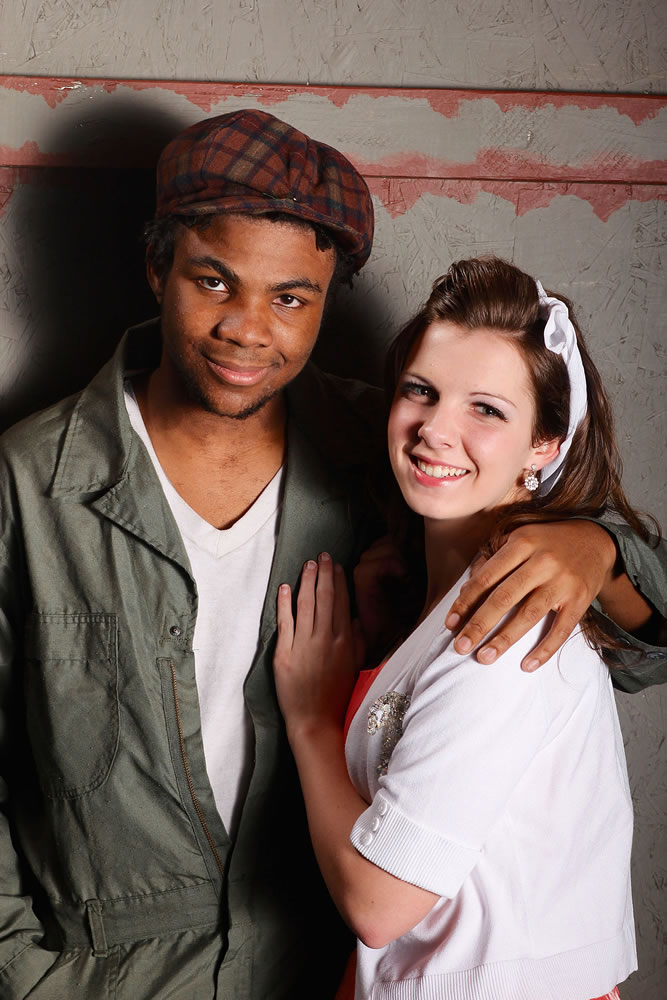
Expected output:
(114, 862)
(117, 877)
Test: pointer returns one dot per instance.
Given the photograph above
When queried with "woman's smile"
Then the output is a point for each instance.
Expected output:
(461, 424)
(431, 474)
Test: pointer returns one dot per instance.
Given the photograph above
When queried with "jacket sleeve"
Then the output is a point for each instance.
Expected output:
(23, 961)
(642, 662)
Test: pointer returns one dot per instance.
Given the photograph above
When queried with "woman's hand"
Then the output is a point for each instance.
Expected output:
(315, 670)
(316, 657)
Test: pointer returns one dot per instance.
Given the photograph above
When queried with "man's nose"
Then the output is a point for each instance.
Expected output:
(247, 325)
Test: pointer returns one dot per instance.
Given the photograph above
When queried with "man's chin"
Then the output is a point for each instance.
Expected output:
(252, 408)
(241, 413)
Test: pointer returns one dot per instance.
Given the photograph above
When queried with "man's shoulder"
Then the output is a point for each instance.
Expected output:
(40, 433)
(80, 427)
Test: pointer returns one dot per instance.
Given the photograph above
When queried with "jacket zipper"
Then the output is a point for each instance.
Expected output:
(188, 774)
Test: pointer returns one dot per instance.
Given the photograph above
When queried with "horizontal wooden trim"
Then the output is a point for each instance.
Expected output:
(396, 133)
(446, 101)
(397, 195)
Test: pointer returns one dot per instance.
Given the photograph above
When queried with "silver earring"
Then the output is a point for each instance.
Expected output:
(531, 482)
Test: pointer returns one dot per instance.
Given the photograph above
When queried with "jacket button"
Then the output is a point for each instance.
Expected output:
(176, 631)
(365, 839)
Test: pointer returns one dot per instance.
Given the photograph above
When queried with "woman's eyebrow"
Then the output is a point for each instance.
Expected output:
(414, 375)
(494, 395)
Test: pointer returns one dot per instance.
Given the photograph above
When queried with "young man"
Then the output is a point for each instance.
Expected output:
(154, 838)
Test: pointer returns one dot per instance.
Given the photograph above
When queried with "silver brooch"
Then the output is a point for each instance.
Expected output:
(386, 713)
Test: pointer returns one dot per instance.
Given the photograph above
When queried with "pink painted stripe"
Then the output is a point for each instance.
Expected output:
(609, 167)
(399, 195)
(53, 90)
(507, 164)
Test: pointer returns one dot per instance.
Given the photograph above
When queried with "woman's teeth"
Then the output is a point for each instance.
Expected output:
(440, 471)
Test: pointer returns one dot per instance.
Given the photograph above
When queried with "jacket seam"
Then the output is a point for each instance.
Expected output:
(18, 954)
(57, 901)
(188, 774)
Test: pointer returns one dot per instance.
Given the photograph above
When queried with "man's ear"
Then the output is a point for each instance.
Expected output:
(154, 279)
(545, 452)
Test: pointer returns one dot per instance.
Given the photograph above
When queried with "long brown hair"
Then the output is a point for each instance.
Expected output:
(487, 292)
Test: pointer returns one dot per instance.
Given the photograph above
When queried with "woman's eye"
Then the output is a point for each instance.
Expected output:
(417, 389)
(489, 411)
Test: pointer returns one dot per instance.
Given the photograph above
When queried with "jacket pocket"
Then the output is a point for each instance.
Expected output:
(71, 683)
(79, 975)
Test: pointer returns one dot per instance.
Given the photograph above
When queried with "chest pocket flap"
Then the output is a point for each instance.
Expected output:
(71, 689)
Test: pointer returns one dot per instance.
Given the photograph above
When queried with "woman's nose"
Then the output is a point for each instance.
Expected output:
(440, 430)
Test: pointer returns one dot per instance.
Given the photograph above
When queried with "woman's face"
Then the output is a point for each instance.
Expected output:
(460, 427)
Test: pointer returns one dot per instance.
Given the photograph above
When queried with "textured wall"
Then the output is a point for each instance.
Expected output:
(70, 262)
(614, 45)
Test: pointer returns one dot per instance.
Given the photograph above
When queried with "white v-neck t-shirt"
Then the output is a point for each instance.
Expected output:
(231, 568)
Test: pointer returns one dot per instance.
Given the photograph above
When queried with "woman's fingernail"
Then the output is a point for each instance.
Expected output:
(311, 564)
(452, 620)
(487, 655)
(325, 557)
(284, 588)
(463, 644)
(530, 665)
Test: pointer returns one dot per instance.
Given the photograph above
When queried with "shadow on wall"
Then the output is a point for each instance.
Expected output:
(78, 237)
(352, 342)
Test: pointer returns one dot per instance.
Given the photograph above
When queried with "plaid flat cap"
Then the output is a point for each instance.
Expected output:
(249, 161)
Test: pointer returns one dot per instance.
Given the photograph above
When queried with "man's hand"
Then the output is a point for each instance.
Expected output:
(376, 575)
(561, 567)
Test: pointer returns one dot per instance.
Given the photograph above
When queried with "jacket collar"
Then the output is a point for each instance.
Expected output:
(105, 463)
(99, 445)
(103, 459)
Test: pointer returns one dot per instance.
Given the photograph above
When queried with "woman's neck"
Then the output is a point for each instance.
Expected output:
(450, 547)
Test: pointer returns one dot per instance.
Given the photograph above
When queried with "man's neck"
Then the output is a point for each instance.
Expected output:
(219, 465)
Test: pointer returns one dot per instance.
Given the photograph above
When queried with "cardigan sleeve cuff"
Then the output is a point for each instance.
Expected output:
(417, 855)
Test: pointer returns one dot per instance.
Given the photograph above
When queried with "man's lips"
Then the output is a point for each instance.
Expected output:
(236, 374)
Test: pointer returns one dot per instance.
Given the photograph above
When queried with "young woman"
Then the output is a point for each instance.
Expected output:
(474, 828)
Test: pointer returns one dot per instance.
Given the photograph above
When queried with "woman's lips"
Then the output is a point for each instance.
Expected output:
(436, 474)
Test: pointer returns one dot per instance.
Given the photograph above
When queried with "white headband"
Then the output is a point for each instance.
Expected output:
(560, 337)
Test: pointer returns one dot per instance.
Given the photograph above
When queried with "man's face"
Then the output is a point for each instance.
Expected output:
(241, 310)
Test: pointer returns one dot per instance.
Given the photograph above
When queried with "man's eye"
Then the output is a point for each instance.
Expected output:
(290, 301)
(489, 411)
(213, 284)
